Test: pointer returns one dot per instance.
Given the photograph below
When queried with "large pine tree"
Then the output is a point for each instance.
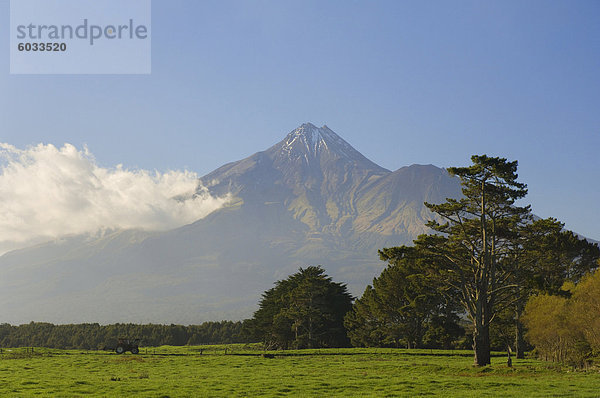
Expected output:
(476, 240)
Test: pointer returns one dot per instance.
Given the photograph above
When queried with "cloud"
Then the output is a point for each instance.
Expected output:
(48, 192)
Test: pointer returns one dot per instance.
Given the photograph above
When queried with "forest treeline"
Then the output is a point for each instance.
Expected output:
(91, 336)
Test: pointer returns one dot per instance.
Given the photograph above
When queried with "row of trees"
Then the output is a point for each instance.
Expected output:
(95, 336)
(486, 258)
(566, 328)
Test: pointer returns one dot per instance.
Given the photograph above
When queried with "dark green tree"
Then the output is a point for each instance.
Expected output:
(364, 322)
(403, 306)
(306, 310)
(475, 239)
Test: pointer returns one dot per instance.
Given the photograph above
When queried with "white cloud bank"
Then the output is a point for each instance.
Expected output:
(48, 192)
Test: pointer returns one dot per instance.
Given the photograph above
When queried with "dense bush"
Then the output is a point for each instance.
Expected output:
(567, 329)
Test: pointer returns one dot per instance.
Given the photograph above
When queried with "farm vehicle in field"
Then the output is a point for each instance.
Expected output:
(128, 345)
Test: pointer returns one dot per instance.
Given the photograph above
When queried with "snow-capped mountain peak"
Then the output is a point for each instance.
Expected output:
(309, 140)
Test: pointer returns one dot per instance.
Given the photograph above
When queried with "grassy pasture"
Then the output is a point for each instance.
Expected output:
(209, 372)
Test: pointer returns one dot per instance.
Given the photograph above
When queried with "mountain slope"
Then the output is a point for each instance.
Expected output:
(309, 199)
(320, 180)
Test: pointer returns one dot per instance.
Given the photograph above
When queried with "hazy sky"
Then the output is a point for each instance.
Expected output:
(403, 81)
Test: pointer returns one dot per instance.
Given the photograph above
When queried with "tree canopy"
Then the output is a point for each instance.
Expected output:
(306, 310)
(404, 307)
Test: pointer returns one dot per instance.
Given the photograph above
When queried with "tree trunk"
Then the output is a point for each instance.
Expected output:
(481, 332)
(481, 345)
(519, 341)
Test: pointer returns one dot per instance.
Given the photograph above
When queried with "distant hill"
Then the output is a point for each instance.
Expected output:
(309, 199)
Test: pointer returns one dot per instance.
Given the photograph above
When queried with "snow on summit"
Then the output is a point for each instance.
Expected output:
(311, 140)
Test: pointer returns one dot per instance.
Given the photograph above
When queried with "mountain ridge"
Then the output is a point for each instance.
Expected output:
(309, 199)
(325, 189)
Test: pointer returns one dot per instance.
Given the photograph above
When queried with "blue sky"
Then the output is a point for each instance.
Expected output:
(403, 81)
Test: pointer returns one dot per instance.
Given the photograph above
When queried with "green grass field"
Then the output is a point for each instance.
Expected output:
(190, 372)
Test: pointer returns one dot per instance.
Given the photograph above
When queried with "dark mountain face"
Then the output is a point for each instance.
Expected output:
(310, 199)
